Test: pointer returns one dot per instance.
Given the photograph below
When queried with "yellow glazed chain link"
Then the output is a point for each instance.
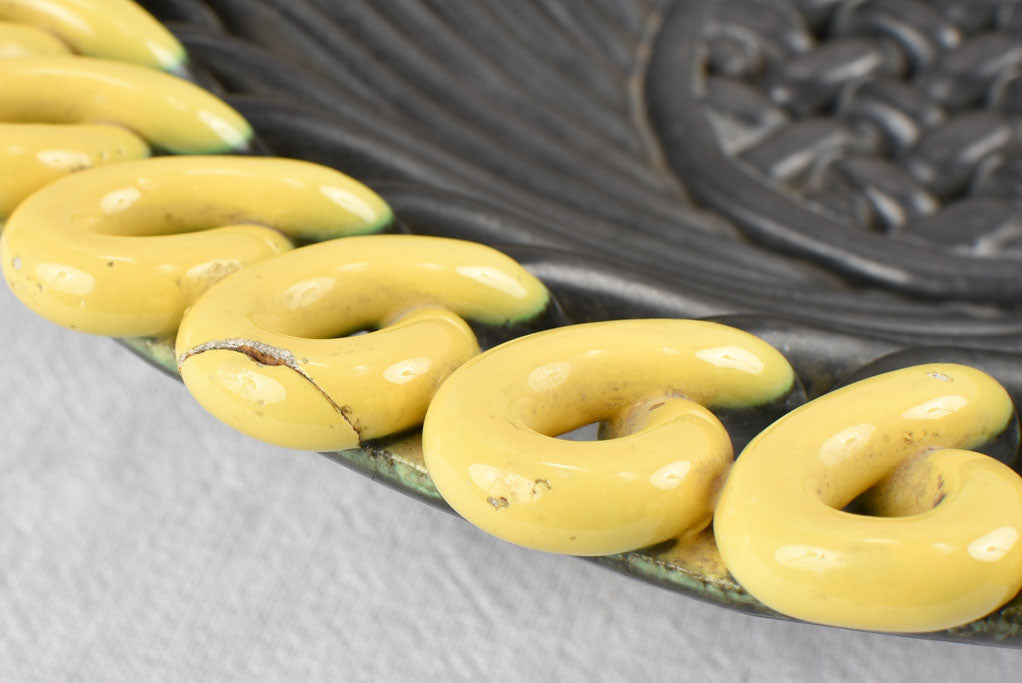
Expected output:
(945, 547)
(254, 350)
(489, 446)
(19, 40)
(258, 350)
(43, 84)
(112, 29)
(56, 115)
(72, 251)
(32, 155)
(35, 154)
(168, 111)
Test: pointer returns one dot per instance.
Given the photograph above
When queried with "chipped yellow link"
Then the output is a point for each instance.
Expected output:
(113, 29)
(947, 550)
(488, 436)
(259, 351)
(167, 111)
(18, 40)
(32, 155)
(99, 250)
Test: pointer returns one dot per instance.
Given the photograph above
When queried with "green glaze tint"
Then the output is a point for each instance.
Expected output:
(157, 351)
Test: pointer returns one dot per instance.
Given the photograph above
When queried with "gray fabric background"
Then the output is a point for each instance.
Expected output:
(142, 540)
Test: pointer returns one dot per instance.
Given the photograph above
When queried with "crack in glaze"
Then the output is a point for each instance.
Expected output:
(272, 356)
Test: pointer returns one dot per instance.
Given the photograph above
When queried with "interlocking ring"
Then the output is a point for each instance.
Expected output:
(36, 154)
(65, 114)
(169, 112)
(255, 350)
(19, 40)
(258, 349)
(488, 444)
(945, 547)
(111, 29)
(72, 251)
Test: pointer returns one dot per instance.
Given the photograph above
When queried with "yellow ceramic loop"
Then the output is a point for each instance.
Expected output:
(113, 29)
(18, 40)
(32, 155)
(488, 436)
(954, 558)
(169, 112)
(259, 350)
(102, 250)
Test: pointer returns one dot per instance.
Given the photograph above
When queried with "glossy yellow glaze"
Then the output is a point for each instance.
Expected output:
(122, 250)
(260, 352)
(946, 552)
(32, 155)
(112, 29)
(489, 446)
(18, 40)
(169, 112)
